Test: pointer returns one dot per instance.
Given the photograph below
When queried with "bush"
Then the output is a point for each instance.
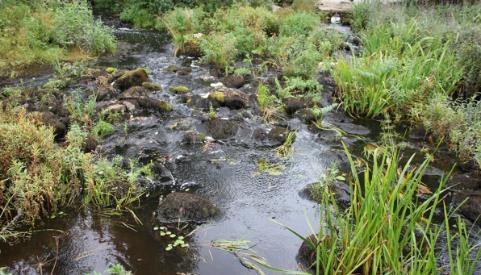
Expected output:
(38, 177)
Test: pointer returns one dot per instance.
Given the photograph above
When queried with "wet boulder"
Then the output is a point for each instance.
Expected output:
(131, 78)
(292, 105)
(231, 98)
(273, 137)
(339, 190)
(278, 134)
(197, 101)
(192, 138)
(185, 207)
(110, 108)
(222, 128)
(470, 205)
(103, 88)
(306, 256)
(154, 104)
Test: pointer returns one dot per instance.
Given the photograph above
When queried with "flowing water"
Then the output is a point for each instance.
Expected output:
(252, 203)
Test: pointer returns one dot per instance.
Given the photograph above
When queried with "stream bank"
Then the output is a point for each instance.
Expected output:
(223, 168)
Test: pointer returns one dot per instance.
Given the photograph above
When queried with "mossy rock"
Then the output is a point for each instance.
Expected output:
(111, 70)
(179, 89)
(234, 99)
(131, 78)
(217, 96)
(193, 137)
(185, 207)
(152, 86)
(154, 104)
(222, 128)
(165, 106)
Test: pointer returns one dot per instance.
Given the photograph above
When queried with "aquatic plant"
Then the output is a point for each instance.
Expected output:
(386, 227)
(285, 149)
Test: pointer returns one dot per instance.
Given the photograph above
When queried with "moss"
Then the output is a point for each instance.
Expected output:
(166, 106)
(217, 96)
(111, 70)
(132, 78)
(152, 86)
(179, 89)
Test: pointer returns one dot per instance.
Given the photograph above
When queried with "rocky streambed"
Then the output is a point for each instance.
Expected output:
(217, 174)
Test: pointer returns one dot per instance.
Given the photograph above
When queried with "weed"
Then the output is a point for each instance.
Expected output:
(273, 169)
(285, 149)
(102, 129)
(212, 113)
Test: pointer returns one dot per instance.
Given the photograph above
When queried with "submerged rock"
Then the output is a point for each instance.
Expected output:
(222, 128)
(231, 98)
(131, 78)
(185, 207)
(192, 138)
(339, 189)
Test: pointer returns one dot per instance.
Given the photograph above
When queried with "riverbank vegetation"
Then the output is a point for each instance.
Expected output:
(421, 64)
(390, 225)
(39, 177)
(47, 32)
(418, 65)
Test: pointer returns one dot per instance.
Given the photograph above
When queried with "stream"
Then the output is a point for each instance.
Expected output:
(224, 170)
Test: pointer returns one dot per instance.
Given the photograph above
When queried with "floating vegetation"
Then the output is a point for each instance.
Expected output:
(273, 169)
(286, 149)
(174, 240)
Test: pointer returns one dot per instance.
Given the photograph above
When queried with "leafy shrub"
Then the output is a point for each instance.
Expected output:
(458, 123)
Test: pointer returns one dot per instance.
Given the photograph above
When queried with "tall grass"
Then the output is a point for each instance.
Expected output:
(407, 58)
(292, 41)
(388, 229)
